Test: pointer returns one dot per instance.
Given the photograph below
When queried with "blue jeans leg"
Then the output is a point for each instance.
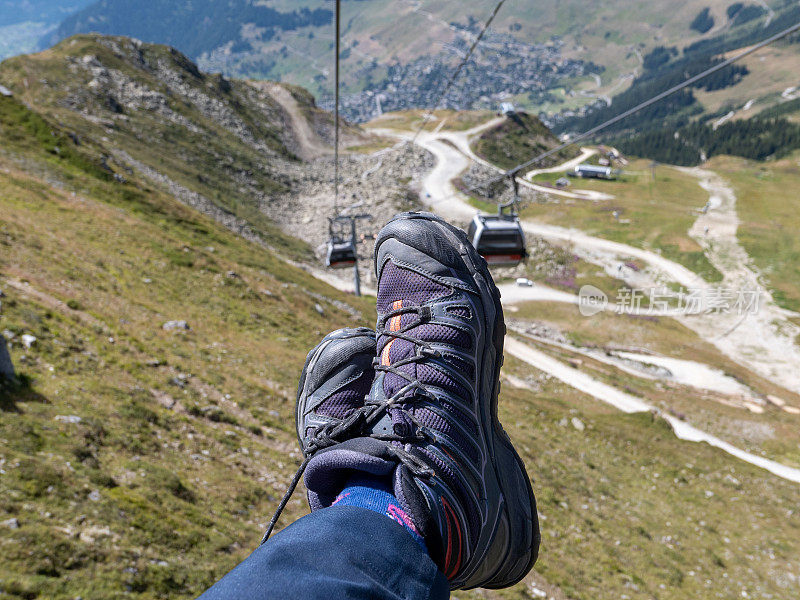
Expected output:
(342, 552)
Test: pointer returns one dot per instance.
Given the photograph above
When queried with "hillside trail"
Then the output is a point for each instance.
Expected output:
(586, 154)
(754, 347)
(630, 404)
(648, 365)
(18, 281)
(311, 146)
(761, 346)
(763, 340)
(438, 192)
(575, 194)
(462, 141)
(513, 293)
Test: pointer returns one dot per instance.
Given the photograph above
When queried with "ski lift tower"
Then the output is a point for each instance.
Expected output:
(344, 253)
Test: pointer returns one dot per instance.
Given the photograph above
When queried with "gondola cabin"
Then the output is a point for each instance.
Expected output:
(341, 254)
(499, 239)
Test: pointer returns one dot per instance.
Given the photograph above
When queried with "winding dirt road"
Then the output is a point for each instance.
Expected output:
(309, 143)
(630, 404)
(757, 346)
(762, 342)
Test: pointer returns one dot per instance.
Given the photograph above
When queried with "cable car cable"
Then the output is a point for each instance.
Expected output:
(613, 121)
(460, 68)
(336, 108)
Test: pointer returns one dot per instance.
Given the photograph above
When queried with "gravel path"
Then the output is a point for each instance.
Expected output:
(763, 341)
(630, 404)
(440, 196)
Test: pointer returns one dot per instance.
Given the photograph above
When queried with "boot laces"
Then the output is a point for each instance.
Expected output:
(360, 420)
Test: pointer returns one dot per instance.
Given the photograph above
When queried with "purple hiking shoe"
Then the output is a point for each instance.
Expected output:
(430, 422)
(334, 384)
(331, 397)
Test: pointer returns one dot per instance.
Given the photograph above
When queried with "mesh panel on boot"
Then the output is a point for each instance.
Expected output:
(402, 349)
(412, 288)
(343, 402)
(429, 332)
(427, 376)
(433, 421)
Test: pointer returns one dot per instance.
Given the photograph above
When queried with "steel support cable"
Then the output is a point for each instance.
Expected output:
(771, 40)
(460, 68)
(336, 108)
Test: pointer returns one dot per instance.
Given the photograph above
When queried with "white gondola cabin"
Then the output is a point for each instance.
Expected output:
(499, 239)
(341, 254)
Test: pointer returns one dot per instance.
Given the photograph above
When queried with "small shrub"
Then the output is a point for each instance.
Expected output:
(17, 589)
(26, 439)
(220, 416)
(172, 483)
(213, 414)
(38, 477)
(102, 479)
(179, 258)
(159, 581)
(86, 456)
(138, 412)
(703, 22)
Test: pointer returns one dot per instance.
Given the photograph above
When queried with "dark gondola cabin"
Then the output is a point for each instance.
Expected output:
(341, 254)
(498, 238)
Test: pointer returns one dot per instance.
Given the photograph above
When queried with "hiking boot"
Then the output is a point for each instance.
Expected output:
(335, 381)
(432, 425)
(330, 398)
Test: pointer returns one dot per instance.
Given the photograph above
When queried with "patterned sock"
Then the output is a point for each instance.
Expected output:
(375, 493)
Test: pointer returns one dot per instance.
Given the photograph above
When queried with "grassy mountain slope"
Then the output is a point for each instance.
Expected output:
(185, 437)
(142, 462)
(148, 109)
(517, 140)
